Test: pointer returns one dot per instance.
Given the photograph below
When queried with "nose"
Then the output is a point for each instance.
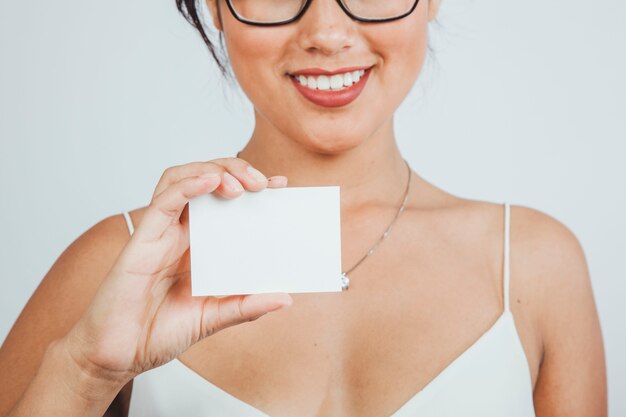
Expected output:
(326, 28)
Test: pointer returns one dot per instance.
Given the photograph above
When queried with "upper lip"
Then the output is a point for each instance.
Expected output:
(321, 71)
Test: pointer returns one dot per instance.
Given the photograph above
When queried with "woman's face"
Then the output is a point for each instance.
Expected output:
(264, 60)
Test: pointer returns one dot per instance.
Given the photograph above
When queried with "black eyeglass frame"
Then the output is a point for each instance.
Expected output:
(304, 8)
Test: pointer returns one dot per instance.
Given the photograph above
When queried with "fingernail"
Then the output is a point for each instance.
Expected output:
(256, 174)
(278, 179)
(231, 182)
(286, 301)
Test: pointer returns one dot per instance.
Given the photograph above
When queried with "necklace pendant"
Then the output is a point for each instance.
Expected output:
(345, 281)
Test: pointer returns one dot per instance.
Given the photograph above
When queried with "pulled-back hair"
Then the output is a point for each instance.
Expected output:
(189, 9)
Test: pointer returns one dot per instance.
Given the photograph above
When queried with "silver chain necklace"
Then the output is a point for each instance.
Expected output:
(345, 280)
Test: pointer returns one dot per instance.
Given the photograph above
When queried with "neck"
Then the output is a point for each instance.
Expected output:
(372, 172)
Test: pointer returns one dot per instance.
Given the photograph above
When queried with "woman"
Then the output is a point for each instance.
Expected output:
(468, 308)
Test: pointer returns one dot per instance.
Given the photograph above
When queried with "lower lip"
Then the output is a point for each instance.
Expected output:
(333, 98)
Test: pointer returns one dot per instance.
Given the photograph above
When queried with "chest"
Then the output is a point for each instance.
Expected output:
(363, 352)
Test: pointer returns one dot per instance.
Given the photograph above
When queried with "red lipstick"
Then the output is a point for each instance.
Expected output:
(331, 98)
(320, 71)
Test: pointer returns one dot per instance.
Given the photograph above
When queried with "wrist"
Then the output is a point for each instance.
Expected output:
(83, 377)
(63, 388)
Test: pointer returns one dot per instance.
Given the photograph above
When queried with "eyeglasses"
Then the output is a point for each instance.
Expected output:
(281, 12)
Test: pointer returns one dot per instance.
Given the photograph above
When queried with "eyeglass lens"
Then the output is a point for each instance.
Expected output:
(270, 11)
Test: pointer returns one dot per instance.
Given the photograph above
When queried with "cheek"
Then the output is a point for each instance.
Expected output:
(248, 43)
(402, 47)
(252, 52)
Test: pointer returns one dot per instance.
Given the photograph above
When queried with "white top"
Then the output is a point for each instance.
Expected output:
(491, 378)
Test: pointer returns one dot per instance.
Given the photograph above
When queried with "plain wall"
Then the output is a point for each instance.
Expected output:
(526, 103)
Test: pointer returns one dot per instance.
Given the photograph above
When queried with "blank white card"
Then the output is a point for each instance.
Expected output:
(275, 240)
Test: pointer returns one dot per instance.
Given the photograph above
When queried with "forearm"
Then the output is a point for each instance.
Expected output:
(62, 388)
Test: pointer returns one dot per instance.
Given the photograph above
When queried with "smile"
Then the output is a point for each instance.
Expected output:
(332, 82)
(331, 89)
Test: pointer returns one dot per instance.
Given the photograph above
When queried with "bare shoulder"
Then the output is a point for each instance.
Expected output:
(550, 273)
(552, 300)
(549, 258)
(59, 300)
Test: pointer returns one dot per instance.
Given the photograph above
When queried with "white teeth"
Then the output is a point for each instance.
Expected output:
(323, 83)
(336, 81)
(347, 79)
(333, 82)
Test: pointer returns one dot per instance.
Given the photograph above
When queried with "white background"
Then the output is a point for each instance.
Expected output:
(526, 104)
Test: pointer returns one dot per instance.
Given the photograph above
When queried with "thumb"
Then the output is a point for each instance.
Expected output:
(220, 313)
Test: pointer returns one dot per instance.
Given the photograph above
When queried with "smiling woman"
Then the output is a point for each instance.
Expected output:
(469, 308)
(322, 40)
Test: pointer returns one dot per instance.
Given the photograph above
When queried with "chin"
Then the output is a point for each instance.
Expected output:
(331, 144)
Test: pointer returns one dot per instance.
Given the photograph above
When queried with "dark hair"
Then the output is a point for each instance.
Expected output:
(189, 9)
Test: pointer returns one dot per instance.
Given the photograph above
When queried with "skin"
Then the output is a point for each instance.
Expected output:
(444, 255)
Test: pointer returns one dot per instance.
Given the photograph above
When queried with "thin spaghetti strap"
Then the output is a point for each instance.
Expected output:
(507, 237)
(129, 223)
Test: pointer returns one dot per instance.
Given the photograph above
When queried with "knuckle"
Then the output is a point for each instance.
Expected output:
(243, 165)
(157, 207)
(214, 166)
(220, 161)
(216, 323)
(185, 194)
(231, 161)
(214, 320)
(239, 309)
(166, 198)
(167, 172)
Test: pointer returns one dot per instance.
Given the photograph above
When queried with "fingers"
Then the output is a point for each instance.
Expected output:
(226, 177)
(277, 181)
(166, 208)
(237, 175)
(220, 313)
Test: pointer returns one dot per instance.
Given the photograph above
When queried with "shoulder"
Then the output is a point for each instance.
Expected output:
(548, 267)
(59, 300)
(548, 256)
(93, 252)
(106, 237)
(96, 248)
(545, 253)
(549, 264)
(534, 227)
